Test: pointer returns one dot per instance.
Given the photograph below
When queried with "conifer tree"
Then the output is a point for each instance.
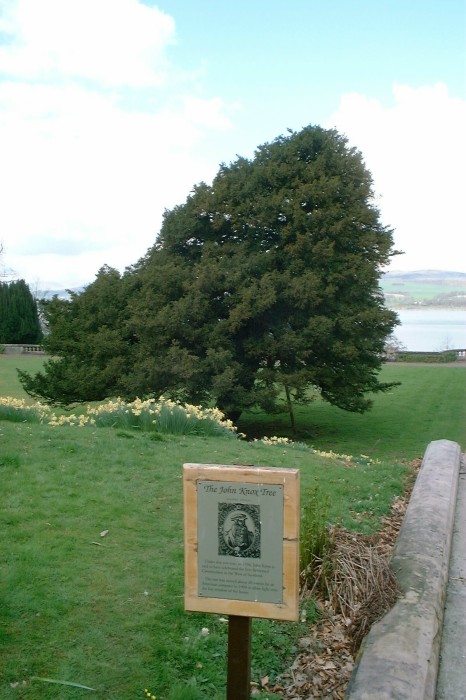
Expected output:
(262, 289)
(266, 283)
(19, 318)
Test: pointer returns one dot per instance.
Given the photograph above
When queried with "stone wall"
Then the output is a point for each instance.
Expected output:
(18, 349)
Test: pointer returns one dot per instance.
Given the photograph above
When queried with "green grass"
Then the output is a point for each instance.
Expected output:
(429, 405)
(107, 612)
(9, 384)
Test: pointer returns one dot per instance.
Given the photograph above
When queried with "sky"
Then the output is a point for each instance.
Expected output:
(112, 110)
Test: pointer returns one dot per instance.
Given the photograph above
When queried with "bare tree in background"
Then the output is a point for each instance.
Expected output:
(393, 346)
(4, 271)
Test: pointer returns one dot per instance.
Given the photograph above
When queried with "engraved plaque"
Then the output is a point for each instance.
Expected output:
(240, 541)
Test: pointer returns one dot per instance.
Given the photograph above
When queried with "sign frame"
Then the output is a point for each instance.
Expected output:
(261, 479)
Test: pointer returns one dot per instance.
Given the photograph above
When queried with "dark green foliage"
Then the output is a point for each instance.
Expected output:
(268, 280)
(19, 319)
(261, 286)
(88, 343)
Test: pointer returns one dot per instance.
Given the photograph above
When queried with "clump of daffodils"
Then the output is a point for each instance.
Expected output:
(152, 415)
(19, 411)
(149, 695)
(76, 421)
(330, 454)
(275, 440)
(162, 415)
(327, 454)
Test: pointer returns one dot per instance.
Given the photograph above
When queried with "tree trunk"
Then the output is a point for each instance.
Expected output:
(289, 404)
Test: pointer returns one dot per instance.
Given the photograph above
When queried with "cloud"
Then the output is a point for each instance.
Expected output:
(69, 247)
(415, 150)
(108, 42)
(100, 131)
(74, 159)
(87, 169)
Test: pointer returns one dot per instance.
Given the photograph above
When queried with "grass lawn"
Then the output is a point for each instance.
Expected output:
(429, 405)
(9, 384)
(107, 611)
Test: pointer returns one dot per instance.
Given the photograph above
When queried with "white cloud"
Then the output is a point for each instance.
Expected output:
(86, 174)
(100, 132)
(415, 150)
(112, 42)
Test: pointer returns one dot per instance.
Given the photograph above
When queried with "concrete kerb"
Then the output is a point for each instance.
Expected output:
(400, 656)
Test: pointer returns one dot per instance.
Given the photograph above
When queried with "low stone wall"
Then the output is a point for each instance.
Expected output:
(22, 349)
(400, 656)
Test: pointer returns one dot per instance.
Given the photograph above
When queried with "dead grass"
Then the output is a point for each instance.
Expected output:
(355, 578)
(364, 587)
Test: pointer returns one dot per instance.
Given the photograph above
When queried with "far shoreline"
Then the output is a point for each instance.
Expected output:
(427, 307)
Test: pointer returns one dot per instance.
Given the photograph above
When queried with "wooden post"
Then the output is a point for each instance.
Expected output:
(239, 657)
(253, 574)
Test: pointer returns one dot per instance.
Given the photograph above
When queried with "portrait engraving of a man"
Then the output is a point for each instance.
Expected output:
(239, 530)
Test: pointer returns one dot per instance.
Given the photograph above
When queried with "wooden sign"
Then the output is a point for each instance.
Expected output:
(242, 540)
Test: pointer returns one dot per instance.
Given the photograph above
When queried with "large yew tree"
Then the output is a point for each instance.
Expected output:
(264, 286)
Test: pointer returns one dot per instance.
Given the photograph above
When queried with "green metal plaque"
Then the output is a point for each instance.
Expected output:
(240, 541)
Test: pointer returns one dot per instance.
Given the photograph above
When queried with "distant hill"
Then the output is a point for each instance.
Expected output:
(427, 288)
(425, 275)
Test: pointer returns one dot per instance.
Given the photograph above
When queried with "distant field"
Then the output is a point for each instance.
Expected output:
(423, 290)
(419, 290)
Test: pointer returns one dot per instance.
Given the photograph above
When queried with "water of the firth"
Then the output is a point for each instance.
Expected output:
(427, 330)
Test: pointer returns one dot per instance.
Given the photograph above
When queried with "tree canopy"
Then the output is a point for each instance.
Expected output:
(19, 319)
(263, 283)
(87, 342)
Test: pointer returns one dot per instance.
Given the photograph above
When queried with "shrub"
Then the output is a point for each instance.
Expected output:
(430, 357)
